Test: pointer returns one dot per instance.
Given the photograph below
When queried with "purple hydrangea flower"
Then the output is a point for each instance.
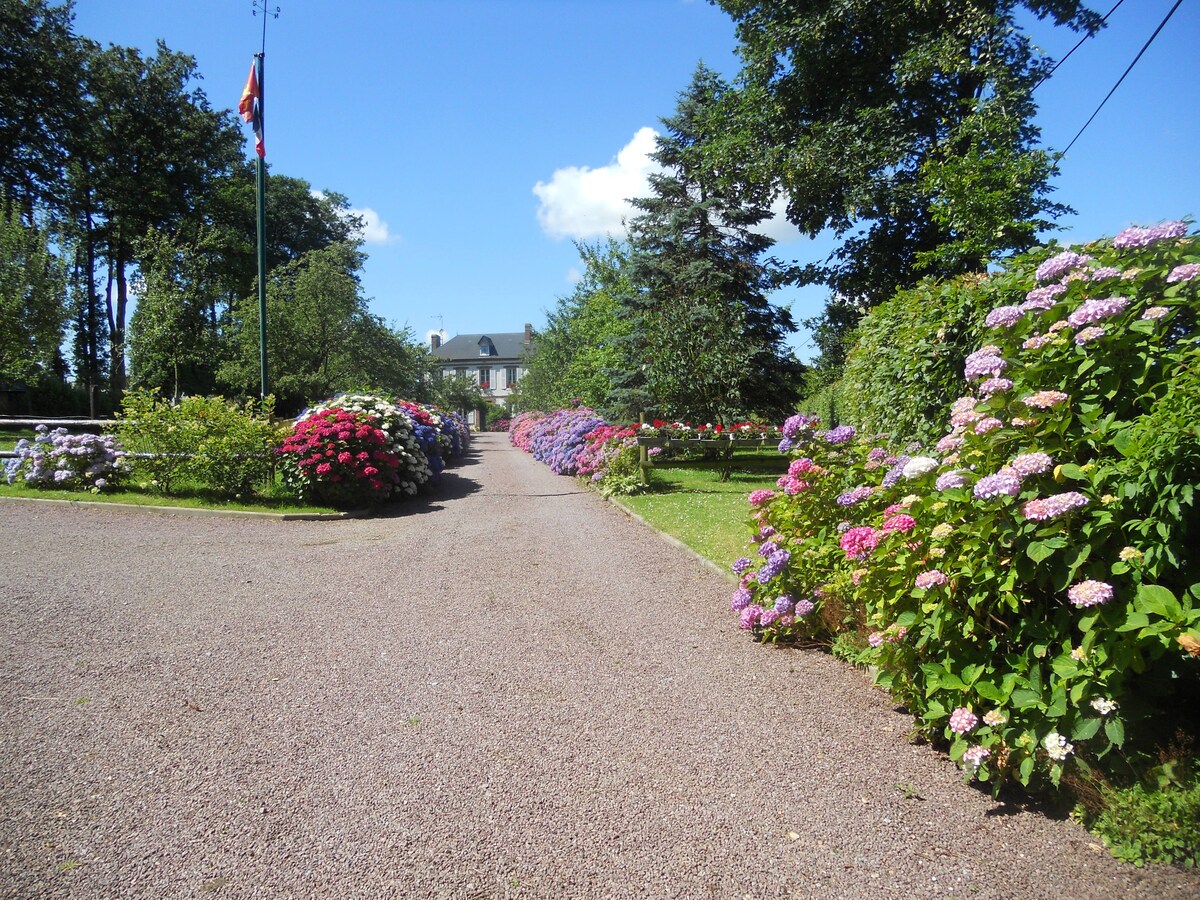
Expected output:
(1001, 484)
(857, 495)
(741, 599)
(1134, 238)
(994, 385)
(1089, 334)
(1104, 272)
(1061, 264)
(840, 435)
(784, 604)
(1004, 317)
(795, 424)
(804, 607)
(773, 566)
(1096, 309)
(948, 480)
(1044, 297)
(896, 472)
(981, 363)
(1185, 272)
(741, 564)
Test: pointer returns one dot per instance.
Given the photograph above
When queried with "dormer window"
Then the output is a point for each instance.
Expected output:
(486, 347)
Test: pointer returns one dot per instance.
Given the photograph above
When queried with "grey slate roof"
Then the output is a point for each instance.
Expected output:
(464, 348)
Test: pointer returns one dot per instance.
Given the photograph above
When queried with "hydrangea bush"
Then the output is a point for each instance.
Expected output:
(57, 459)
(520, 431)
(1028, 586)
(342, 457)
(396, 419)
(559, 439)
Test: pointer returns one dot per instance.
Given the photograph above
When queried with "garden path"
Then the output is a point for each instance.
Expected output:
(508, 690)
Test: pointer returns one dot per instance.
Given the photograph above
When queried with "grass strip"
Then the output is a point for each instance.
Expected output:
(708, 515)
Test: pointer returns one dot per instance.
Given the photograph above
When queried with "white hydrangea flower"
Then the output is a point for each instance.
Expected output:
(1057, 747)
(1103, 705)
(918, 466)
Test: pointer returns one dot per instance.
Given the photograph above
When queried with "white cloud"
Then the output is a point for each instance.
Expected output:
(581, 202)
(374, 230)
(778, 227)
(574, 276)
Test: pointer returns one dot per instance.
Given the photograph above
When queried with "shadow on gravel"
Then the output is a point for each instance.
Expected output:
(453, 486)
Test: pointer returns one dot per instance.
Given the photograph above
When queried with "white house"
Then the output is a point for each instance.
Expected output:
(495, 361)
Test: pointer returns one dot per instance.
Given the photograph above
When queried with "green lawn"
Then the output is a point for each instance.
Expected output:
(137, 496)
(710, 516)
(10, 436)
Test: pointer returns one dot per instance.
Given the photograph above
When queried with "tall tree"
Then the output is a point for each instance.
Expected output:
(705, 341)
(40, 99)
(152, 148)
(322, 336)
(300, 219)
(574, 355)
(173, 346)
(904, 128)
(32, 308)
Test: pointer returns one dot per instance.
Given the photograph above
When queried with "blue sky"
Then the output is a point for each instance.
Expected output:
(480, 137)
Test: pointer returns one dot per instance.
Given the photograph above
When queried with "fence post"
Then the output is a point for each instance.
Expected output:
(643, 453)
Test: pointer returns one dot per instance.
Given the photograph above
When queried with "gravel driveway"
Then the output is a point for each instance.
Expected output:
(510, 690)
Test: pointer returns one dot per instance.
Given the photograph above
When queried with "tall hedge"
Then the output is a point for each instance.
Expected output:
(906, 365)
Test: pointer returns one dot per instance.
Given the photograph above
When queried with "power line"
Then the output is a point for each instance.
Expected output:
(1122, 78)
(1054, 68)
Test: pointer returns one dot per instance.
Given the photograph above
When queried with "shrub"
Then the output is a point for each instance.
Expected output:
(340, 457)
(520, 432)
(1030, 585)
(558, 440)
(396, 419)
(611, 460)
(906, 363)
(211, 441)
(65, 461)
(1152, 825)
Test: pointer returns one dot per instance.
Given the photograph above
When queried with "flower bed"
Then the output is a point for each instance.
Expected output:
(1028, 589)
(58, 459)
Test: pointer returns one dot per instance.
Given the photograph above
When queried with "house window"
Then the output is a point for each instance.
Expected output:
(485, 377)
(460, 372)
(510, 376)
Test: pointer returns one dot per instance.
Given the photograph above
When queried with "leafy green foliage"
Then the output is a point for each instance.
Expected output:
(209, 440)
(904, 129)
(1152, 825)
(321, 337)
(574, 355)
(907, 361)
(705, 343)
(32, 312)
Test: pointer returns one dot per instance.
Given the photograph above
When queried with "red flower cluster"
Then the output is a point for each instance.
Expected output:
(341, 457)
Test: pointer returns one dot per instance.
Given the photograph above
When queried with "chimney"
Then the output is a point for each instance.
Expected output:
(435, 341)
(528, 333)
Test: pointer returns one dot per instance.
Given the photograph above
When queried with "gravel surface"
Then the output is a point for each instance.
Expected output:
(510, 690)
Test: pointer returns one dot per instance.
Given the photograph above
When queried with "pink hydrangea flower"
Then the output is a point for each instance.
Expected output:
(1090, 593)
(963, 720)
(798, 467)
(1155, 312)
(1045, 399)
(1045, 509)
(758, 498)
(1037, 342)
(901, 523)
(1031, 464)
(949, 443)
(974, 756)
(931, 579)
(858, 543)
(1089, 334)
(991, 423)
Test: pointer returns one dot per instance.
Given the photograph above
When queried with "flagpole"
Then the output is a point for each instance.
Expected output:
(257, 6)
(261, 206)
